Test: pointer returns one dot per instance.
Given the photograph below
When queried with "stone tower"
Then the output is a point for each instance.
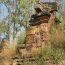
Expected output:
(38, 33)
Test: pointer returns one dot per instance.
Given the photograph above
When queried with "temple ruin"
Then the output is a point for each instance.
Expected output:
(38, 33)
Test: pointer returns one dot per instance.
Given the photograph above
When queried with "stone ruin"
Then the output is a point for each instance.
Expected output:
(38, 33)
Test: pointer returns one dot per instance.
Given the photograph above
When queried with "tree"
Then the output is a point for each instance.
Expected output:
(18, 15)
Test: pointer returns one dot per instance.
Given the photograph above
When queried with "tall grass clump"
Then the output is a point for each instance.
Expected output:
(57, 38)
(7, 52)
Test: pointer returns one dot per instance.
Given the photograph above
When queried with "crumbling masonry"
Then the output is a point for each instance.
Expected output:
(40, 24)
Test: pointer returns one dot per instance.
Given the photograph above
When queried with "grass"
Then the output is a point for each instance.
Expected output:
(47, 56)
(8, 50)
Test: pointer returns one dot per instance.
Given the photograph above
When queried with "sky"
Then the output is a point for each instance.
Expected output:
(3, 11)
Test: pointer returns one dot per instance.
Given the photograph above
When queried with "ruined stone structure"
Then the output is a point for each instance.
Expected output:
(40, 24)
(37, 34)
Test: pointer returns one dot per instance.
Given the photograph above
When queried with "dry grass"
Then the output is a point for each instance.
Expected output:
(57, 36)
(8, 50)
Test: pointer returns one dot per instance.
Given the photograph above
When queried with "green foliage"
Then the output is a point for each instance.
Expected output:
(27, 11)
(17, 16)
(21, 37)
(2, 27)
(28, 2)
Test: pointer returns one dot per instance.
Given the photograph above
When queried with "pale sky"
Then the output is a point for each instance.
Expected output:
(3, 11)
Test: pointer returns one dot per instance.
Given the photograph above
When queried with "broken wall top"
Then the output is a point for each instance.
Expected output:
(45, 7)
(43, 11)
(38, 20)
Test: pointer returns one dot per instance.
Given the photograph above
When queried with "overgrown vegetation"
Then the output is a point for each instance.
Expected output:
(47, 56)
